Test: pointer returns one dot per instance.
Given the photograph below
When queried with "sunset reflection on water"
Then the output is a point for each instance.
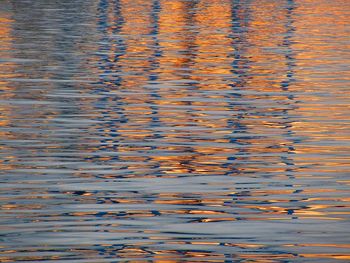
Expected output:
(174, 131)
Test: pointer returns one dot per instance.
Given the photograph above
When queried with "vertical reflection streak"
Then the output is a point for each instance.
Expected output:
(285, 84)
(240, 65)
(109, 107)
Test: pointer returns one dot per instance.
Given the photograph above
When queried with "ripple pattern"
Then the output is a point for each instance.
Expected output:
(174, 131)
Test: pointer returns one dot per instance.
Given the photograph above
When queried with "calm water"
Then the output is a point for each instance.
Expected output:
(175, 131)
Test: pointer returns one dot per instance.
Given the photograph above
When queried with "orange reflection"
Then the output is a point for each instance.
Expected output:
(187, 88)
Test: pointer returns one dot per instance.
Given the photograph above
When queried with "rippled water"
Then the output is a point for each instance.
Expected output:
(175, 130)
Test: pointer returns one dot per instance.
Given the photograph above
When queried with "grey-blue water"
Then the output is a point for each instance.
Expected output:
(174, 131)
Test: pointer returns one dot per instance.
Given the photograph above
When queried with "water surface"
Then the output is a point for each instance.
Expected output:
(175, 131)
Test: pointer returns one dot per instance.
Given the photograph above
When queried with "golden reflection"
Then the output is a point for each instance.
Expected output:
(186, 88)
(320, 68)
(185, 61)
(7, 71)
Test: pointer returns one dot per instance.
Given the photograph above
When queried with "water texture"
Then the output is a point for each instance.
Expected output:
(175, 131)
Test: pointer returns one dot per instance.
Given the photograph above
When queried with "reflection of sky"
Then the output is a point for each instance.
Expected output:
(175, 129)
(192, 80)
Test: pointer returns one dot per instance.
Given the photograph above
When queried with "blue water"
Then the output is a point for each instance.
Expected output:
(174, 131)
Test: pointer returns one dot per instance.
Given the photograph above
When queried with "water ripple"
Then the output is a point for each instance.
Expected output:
(174, 131)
